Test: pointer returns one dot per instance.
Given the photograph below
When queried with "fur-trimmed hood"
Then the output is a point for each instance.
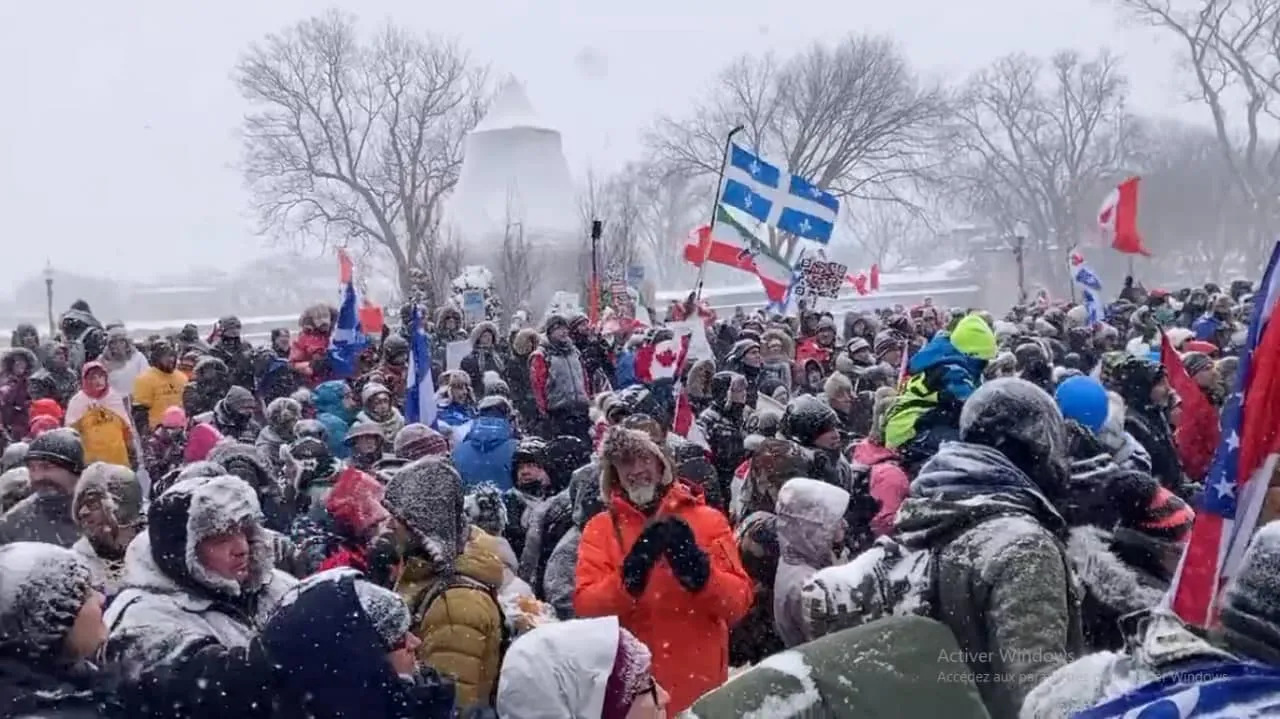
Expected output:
(163, 558)
(1108, 578)
(6, 361)
(525, 342)
(621, 442)
(481, 328)
(777, 335)
(698, 381)
(837, 384)
(448, 311)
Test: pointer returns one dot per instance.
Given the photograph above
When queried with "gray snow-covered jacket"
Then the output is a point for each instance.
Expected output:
(809, 513)
(107, 573)
(171, 605)
(1004, 583)
(560, 577)
(268, 446)
(44, 516)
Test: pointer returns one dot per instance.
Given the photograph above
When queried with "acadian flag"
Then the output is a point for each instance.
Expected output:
(730, 243)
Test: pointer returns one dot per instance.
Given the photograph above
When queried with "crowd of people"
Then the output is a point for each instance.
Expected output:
(196, 527)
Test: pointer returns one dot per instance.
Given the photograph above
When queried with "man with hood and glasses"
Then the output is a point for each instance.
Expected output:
(209, 383)
(107, 507)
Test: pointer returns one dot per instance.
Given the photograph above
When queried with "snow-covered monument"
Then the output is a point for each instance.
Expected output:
(515, 187)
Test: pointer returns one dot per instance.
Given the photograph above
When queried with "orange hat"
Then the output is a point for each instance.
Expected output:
(47, 408)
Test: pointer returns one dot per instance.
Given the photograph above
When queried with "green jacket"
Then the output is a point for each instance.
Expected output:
(895, 668)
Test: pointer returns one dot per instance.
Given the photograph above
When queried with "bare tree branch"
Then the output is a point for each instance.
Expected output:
(1036, 150)
(359, 143)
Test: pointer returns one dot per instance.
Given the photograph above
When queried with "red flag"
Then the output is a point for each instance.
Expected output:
(1198, 435)
(875, 278)
(346, 268)
(371, 319)
(684, 423)
(1242, 467)
(1118, 219)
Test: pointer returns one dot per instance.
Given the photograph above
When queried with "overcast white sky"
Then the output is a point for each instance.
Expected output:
(120, 119)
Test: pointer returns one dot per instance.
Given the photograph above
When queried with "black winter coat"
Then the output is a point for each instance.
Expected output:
(239, 364)
(28, 692)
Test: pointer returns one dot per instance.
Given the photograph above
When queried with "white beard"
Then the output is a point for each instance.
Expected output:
(641, 494)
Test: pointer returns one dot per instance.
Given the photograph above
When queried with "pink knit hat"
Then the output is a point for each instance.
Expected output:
(630, 677)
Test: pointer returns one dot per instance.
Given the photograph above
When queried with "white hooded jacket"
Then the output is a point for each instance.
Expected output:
(559, 671)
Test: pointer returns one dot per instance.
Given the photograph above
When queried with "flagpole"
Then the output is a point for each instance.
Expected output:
(715, 204)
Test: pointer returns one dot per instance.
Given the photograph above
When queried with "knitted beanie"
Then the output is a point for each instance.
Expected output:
(629, 678)
(386, 611)
(42, 588)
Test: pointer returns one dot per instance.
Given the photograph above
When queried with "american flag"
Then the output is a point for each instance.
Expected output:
(1241, 469)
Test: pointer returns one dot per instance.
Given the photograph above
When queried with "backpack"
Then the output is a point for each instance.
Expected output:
(422, 603)
(887, 580)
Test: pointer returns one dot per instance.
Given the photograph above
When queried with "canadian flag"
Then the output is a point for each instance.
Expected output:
(683, 422)
(658, 361)
(1118, 219)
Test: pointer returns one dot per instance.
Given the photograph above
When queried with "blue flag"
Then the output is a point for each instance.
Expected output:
(1227, 690)
(420, 398)
(798, 206)
(348, 341)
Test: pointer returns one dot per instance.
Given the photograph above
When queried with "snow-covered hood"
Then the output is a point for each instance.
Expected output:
(963, 485)
(809, 513)
(559, 671)
(163, 558)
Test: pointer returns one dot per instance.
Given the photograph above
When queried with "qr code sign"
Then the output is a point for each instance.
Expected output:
(820, 278)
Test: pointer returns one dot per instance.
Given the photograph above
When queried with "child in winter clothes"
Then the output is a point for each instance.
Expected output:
(581, 668)
(99, 414)
(942, 375)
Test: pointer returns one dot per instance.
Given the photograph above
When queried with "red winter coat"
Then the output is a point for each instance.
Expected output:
(669, 619)
(307, 348)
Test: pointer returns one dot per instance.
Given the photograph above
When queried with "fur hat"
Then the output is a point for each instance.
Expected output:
(426, 496)
(622, 444)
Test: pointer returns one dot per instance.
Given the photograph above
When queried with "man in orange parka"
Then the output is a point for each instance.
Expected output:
(665, 563)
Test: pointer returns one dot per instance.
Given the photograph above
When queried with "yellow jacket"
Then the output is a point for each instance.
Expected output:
(461, 629)
(158, 391)
(104, 427)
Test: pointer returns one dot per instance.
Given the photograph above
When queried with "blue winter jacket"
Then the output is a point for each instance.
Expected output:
(624, 373)
(484, 456)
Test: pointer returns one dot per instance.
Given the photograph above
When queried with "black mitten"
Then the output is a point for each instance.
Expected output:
(646, 550)
(688, 562)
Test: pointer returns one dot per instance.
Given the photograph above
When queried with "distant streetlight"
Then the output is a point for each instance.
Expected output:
(48, 296)
(1020, 232)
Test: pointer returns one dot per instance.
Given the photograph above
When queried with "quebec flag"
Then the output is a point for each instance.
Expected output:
(798, 207)
(1229, 690)
(348, 339)
(420, 397)
(1090, 286)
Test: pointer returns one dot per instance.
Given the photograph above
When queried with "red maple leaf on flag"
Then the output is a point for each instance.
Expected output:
(666, 357)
